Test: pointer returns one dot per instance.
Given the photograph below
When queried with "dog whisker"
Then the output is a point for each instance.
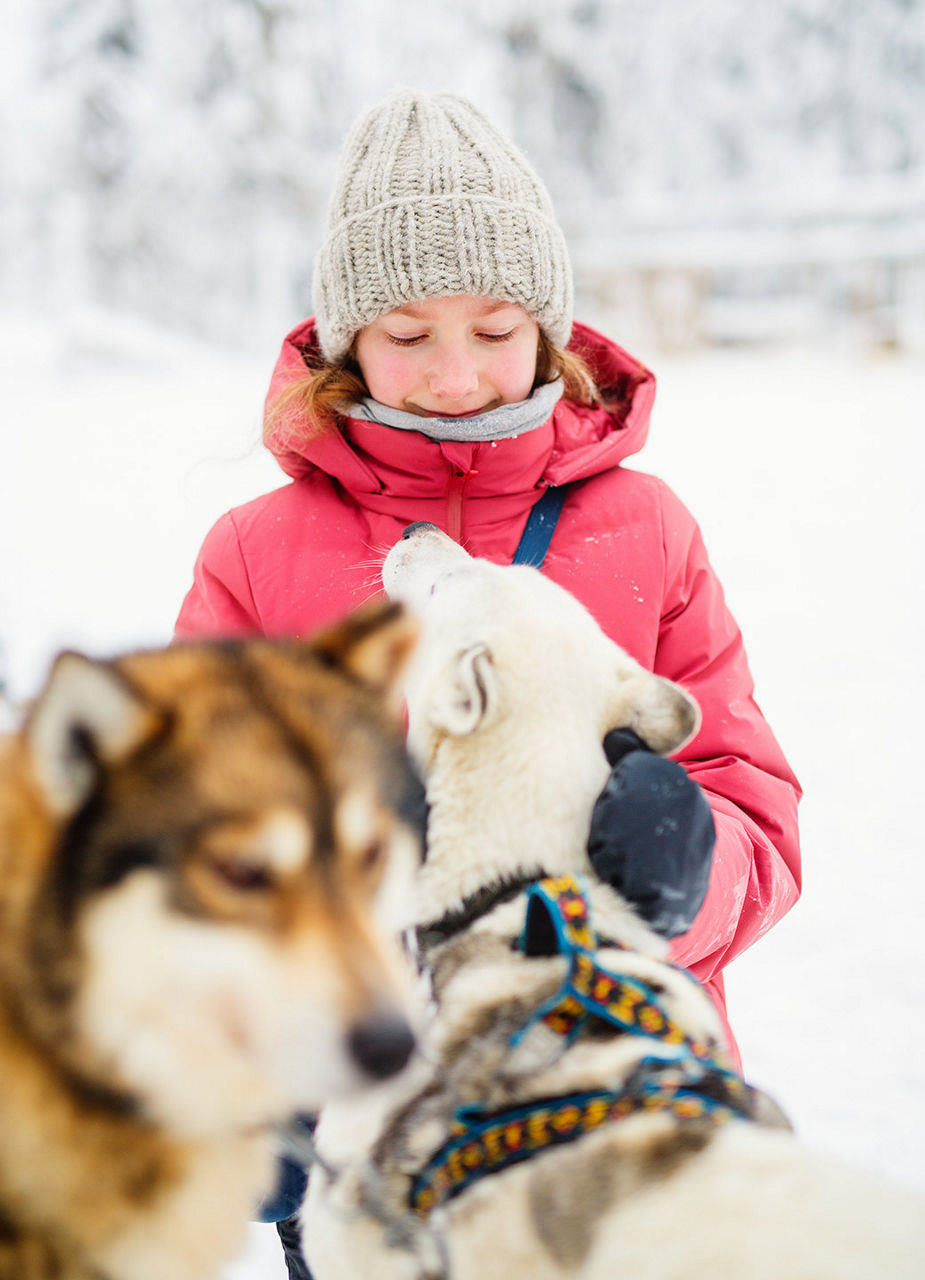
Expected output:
(373, 593)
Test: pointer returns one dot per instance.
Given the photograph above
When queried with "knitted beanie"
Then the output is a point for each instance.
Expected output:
(431, 200)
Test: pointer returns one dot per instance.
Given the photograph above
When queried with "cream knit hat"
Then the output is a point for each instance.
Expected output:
(431, 200)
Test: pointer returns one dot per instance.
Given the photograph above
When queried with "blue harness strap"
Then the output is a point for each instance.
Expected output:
(628, 1004)
(681, 1077)
(541, 523)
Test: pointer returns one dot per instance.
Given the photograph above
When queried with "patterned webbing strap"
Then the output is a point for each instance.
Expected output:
(628, 1004)
(481, 1144)
(686, 1081)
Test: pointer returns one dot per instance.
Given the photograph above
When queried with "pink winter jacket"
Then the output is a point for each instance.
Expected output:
(304, 554)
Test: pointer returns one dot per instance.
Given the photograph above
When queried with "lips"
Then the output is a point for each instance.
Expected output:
(445, 413)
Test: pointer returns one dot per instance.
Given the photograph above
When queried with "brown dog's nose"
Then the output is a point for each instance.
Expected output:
(381, 1044)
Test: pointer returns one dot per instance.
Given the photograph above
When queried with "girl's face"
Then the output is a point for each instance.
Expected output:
(449, 357)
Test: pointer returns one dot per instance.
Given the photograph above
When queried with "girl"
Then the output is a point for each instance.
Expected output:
(442, 379)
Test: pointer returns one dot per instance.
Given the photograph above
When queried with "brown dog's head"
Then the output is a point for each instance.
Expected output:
(205, 856)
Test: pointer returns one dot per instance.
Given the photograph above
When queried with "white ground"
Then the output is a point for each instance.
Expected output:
(120, 447)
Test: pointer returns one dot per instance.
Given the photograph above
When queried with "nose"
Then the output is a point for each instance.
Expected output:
(453, 376)
(417, 526)
(381, 1044)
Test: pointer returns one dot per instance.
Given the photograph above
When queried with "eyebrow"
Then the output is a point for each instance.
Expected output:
(414, 312)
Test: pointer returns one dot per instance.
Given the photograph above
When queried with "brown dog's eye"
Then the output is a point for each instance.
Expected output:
(372, 856)
(241, 875)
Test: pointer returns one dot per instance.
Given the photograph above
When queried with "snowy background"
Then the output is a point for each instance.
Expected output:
(173, 157)
(745, 198)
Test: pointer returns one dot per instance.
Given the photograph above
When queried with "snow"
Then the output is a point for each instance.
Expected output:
(121, 445)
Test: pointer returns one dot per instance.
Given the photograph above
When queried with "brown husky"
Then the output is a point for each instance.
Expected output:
(202, 853)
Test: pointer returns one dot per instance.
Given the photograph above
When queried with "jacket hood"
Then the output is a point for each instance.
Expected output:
(578, 441)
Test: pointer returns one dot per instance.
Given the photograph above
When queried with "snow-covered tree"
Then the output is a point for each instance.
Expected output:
(174, 156)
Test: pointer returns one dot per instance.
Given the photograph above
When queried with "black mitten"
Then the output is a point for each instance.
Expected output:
(652, 835)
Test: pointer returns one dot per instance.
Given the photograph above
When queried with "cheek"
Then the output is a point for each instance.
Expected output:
(390, 375)
(513, 371)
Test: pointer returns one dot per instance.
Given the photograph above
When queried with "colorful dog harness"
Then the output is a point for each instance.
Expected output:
(682, 1078)
(627, 1003)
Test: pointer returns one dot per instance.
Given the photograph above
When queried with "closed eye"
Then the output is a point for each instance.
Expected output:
(373, 855)
(241, 875)
(411, 341)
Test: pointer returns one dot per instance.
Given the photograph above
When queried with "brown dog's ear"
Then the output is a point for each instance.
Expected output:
(661, 712)
(372, 644)
(86, 718)
(465, 693)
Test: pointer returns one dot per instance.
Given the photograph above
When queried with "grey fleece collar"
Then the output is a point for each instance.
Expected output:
(506, 421)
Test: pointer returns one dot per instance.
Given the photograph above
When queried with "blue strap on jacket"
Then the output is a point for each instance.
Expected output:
(541, 523)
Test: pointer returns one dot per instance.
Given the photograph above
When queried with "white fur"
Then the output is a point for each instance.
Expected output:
(81, 697)
(489, 637)
(511, 692)
(283, 841)
(214, 1025)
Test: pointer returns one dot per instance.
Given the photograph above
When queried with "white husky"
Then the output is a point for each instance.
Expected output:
(691, 1176)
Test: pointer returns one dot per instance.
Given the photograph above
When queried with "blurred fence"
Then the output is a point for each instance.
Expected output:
(837, 267)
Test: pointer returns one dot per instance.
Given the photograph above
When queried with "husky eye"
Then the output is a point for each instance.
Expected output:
(241, 875)
(372, 855)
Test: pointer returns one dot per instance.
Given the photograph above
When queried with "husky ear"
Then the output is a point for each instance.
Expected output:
(85, 718)
(663, 715)
(372, 644)
(465, 693)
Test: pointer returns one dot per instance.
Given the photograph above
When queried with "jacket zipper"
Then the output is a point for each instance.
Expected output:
(454, 502)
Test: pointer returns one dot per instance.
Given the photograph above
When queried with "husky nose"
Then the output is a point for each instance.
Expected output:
(381, 1044)
(411, 529)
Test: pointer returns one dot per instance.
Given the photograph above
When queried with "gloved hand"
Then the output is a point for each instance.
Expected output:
(652, 835)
